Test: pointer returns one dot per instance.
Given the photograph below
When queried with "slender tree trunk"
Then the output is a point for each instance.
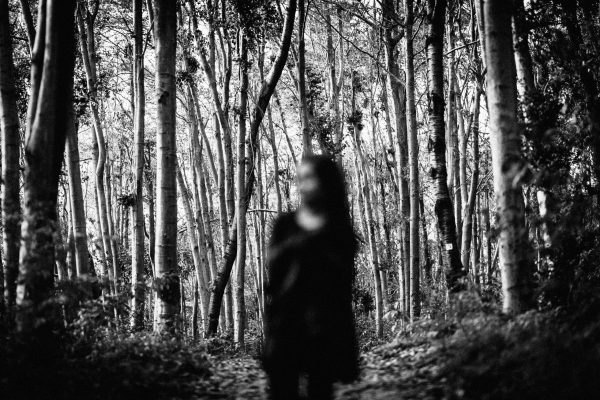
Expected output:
(88, 53)
(167, 275)
(507, 161)
(77, 201)
(467, 227)
(111, 226)
(413, 153)
(304, 118)
(28, 20)
(262, 103)
(51, 100)
(443, 206)
(398, 92)
(195, 311)
(428, 262)
(220, 111)
(335, 83)
(273, 144)
(284, 126)
(198, 252)
(240, 307)
(137, 215)
(11, 205)
(367, 204)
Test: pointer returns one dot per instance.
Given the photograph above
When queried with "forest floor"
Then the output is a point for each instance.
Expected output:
(399, 370)
(552, 355)
(468, 355)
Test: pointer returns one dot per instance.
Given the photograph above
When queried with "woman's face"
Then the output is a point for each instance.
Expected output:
(309, 186)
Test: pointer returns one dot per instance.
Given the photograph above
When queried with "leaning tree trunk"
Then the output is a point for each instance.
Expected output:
(198, 254)
(87, 45)
(165, 254)
(259, 110)
(507, 161)
(11, 205)
(54, 57)
(443, 205)
(137, 215)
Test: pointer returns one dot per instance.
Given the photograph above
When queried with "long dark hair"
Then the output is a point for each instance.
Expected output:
(333, 200)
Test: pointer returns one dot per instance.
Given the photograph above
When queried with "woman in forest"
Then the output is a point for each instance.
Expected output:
(309, 321)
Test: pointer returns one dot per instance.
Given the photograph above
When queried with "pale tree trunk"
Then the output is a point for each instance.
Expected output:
(303, 109)
(60, 253)
(413, 154)
(469, 209)
(198, 253)
(167, 274)
(76, 199)
(88, 55)
(284, 126)
(240, 307)
(262, 103)
(111, 225)
(443, 205)
(204, 240)
(273, 144)
(151, 212)
(137, 215)
(223, 224)
(363, 186)
(364, 203)
(220, 111)
(507, 162)
(335, 83)
(11, 205)
(54, 59)
(397, 90)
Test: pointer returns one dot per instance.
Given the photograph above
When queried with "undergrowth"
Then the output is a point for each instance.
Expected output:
(537, 355)
(109, 365)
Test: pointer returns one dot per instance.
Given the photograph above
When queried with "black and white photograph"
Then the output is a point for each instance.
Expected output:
(299, 199)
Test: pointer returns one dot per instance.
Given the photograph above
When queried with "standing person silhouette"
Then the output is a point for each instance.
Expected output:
(309, 320)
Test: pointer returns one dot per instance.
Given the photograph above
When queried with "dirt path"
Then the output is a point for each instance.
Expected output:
(392, 371)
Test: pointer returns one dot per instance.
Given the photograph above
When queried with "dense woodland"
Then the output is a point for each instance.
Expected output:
(148, 146)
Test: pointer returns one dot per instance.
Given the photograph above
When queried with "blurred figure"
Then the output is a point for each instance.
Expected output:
(309, 321)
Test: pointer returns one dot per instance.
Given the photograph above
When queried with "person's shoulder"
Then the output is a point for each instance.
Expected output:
(283, 225)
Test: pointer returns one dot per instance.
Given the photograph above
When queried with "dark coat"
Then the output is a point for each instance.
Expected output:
(309, 319)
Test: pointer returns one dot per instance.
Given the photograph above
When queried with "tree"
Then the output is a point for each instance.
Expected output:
(85, 23)
(301, 66)
(9, 126)
(167, 275)
(264, 96)
(240, 212)
(443, 204)
(137, 214)
(398, 92)
(413, 155)
(76, 199)
(507, 162)
(49, 106)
